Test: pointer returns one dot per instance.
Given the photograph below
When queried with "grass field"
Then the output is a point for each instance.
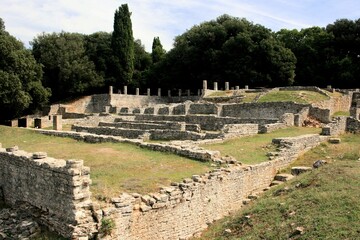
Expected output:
(293, 96)
(324, 203)
(114, 167)
(253, 149)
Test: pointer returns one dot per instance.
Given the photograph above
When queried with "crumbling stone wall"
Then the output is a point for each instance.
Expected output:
(186, 208)
(58, 188)
(336, 127)
(353, 125)
(269, 110)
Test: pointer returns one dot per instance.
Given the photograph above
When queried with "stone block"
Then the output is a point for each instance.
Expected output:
(299, 170)
(283, 177)
(334, 140)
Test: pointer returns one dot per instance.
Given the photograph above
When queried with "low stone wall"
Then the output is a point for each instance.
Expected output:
(271, 127)
(153, 134)
(179, 126)
(206, 122)
(58, 188)
(336, 127)
(185, 209)
(204, 108)
(190, 151)
(272, 110)
(353, 125)
(322, 115)
(233, 130)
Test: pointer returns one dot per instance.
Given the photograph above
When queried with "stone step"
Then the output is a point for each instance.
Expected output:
(299, 170)
(275, 183)
(283, 177)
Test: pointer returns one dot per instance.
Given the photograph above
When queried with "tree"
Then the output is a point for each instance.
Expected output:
(226, 49)
(142, 63)
(158, 52)
(346, 60)
(67, 69)
(21, 90)
(122, 44)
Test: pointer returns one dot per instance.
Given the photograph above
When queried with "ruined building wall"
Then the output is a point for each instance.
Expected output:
(186, 208)
(59, 188)
(261, 110)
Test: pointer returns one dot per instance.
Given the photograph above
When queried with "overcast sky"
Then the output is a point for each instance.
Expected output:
(25, 19)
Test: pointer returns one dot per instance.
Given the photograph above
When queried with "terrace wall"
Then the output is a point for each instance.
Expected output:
(58, 188)
(185, 209)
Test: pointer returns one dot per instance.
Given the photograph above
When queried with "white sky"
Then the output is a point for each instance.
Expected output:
(25, 19)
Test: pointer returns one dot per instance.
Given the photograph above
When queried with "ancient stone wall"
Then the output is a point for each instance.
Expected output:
(270, 110)
(206, 122)
(353, 125)
(336, 104)
(321, 114)
(186, 208)
(58, 188)
(336, 127)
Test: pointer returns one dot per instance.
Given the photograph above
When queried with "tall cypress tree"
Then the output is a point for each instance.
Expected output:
(122, 44)
(158, 51)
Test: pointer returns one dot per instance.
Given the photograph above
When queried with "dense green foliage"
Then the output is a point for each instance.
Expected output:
(67, 69)
(122, 44)
(227, 49)
(21, 90)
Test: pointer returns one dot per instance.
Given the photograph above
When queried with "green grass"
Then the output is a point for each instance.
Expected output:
(324, 202)
(341, 113)
(293, 96)
(115, 167)
(253, 149)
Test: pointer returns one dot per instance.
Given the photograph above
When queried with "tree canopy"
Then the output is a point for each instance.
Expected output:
(67, 69)
(21, 90)
(227, 49)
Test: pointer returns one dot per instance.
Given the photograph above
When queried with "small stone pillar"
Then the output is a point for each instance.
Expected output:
(237, 88)
(246, 87)
(232, 88)
(107, 109)
(199, 92)
(328, 87)
(137, 91)
(180, 92)
(14, 123)
(148, 92)
(227, 86)
(188, 92)
(57, 122)
(204, 84)
(215, 86)
(125, 90)
(111, 90)
(159, 92)
(169, 93)
(38, 123)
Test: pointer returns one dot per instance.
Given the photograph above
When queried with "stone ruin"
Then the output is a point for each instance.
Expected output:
(183, 209)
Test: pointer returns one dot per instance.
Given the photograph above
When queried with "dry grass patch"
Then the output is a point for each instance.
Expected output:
(115, 167)
(253, 149)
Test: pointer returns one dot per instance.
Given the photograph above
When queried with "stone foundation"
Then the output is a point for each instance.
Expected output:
(59, 189)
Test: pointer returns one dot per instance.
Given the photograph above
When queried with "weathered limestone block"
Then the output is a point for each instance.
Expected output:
(334, 140)
(299, 170)
(149, 110)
